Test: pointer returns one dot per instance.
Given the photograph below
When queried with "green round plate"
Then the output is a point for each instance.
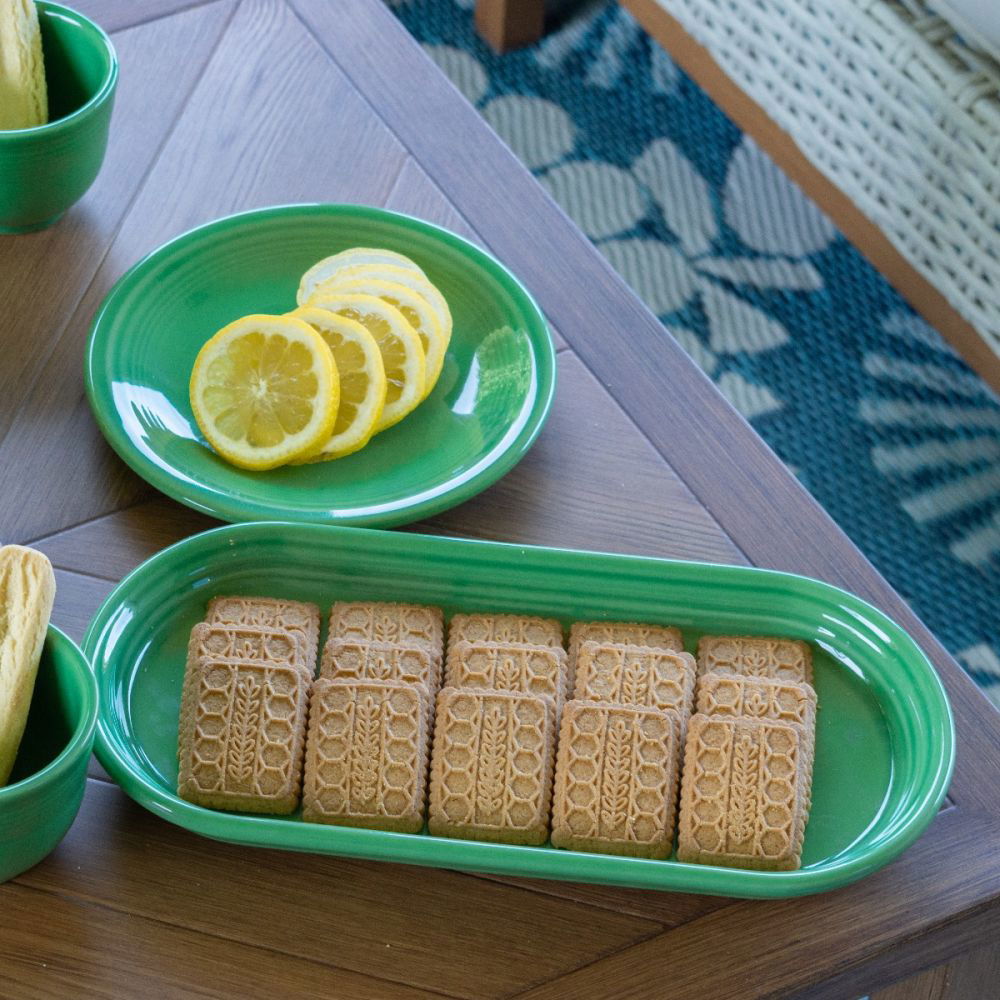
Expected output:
(493, 396)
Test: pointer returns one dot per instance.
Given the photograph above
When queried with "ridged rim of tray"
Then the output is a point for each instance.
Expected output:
(909, 693)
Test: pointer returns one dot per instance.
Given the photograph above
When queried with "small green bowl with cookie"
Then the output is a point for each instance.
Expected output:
(48, 715)
(57, 88)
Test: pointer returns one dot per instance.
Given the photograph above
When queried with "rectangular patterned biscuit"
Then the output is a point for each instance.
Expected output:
(358, 659)
(756, 656)
(616, 780)
(248, 642)
(491, 767)
(241, 736)
(241, 643)
(537, 670)
(758, 698)
(636, 675)
(745, 793)
(366, 757)
(526, 629)
(393, 624)
(270, 612)
(626, 633)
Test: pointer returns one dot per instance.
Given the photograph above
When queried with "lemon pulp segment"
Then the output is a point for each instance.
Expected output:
(265, 390)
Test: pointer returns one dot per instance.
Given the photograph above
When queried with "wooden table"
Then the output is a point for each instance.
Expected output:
(226, 106)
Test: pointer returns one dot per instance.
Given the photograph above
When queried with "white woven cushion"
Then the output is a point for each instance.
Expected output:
(977, 21)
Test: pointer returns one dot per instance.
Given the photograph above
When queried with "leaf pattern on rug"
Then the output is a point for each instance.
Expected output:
(861, 399)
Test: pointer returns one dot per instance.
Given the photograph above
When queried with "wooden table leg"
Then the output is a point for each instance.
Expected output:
(509, 24)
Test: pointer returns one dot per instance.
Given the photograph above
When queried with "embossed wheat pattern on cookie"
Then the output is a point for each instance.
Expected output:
(757, 697)
(246, 642)
(539, 670)
(492, 765)
(504, 628)
(359, 659)
(241, 735)
(367, 754)
(634, 675)
(244, 732)
(269, 613)
(616, 780)
(744, 799)
(780, 659)
(389, 624)
(623, 633)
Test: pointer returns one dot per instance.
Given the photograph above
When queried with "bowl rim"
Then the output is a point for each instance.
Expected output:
(58, 643)
(104, 91)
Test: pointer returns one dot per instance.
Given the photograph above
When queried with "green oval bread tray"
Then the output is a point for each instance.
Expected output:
(884, 745)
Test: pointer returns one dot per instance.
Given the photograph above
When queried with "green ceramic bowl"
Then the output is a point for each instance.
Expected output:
(493, 396)
(45, 170)
(41, 800)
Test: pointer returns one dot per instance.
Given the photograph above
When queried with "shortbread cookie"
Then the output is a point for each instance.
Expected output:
(357, 659)
(509, 667)
(744, 793)
(394, 624)
(616, 780)
(752, 656)
(526, 629)
(491, 767)
(241, 643)
(270, 612)
(261, 644)
(366, 756)
(242, 735)
(626, 633)
(757, 697)
(27, 590)
(635, 675)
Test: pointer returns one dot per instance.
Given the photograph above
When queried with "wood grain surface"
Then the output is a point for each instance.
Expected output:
(234, 104)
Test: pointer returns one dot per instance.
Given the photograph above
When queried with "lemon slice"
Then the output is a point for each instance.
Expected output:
(402, 353)
(362, 381)
(416, 311)
(322, 271)
(265, 390)
(345, 278)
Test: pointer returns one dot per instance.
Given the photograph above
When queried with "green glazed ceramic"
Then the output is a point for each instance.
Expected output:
(46, 169)
(41, 800)
(489, 404)
(885, 740)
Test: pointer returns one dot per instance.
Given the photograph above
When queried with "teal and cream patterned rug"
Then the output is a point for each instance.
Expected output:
(864, 401)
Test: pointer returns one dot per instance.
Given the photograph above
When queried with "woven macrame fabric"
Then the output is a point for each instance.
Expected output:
(863, 400)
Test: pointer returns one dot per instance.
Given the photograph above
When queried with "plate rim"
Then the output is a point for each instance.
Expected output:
(519, 860)
(234, 511)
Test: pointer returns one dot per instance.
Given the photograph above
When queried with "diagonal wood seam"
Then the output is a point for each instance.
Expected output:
(850, 567)
(167, 134)
(657, 926)
(743, 913)
(594, 960)
(19, 886)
